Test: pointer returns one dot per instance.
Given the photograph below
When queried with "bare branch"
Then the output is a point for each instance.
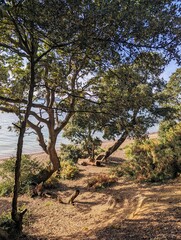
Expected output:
(16, 126)
(40, 135)
(19, 34)
(34, 114)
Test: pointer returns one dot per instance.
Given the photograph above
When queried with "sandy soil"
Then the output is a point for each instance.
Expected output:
(124, 211)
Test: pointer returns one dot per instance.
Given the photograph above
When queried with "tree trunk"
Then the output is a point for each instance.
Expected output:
(116, 145)
(54, 159)
(46, 173)
(18, 217)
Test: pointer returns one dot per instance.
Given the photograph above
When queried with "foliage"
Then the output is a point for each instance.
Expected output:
(4, 218)
(128, 96)
(116, 171)
(82, 129)
(101, 181)
(172, 94)
(70, 152)
(172, 140)
(68, 170)
(155, 160)
(29, 168)
(165, 126)
(6, 187)
(52, 182)
(88, 35)
(7, 224)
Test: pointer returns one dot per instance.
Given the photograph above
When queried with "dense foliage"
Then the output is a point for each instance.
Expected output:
(155, 159)
(171, 98)
(68, 169)
(70, 152)
(48, 47)
(29, 168)
(82, 130)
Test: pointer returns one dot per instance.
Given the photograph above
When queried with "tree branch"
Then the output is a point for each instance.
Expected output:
(6, 109)
(40, 135)
(19, 34)
(14, 50)
(43, 54)
(17, 100)
(38, 117)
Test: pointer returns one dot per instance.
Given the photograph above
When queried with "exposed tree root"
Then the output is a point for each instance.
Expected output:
(39, 190)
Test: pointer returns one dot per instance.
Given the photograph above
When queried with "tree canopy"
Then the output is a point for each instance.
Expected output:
(49, 48)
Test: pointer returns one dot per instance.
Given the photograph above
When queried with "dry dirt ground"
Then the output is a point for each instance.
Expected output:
(124, 211)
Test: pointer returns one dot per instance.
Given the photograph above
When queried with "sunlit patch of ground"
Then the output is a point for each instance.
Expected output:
(124, 211)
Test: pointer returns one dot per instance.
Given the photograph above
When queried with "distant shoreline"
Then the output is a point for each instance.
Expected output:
(32, 154)
(105, 145)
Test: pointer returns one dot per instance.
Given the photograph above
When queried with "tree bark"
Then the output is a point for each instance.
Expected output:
(115, 146)
(46, 173)
(54, 159)
(18, 217)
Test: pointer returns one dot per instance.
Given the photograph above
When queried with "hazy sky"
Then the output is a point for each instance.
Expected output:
(171, 68)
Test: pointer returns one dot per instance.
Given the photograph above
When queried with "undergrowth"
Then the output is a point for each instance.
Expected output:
(29, 168)
(68, 170)
(101, 181)
(155, 160)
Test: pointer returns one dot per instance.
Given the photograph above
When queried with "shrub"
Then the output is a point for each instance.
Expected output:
(74, 152)
(52, 182)
(5, 218)
(116, 171)
(68, 169)
(156, 159)
(9, 226)
(29, 167)
(70, 152)
(6, 187)
(101, 181)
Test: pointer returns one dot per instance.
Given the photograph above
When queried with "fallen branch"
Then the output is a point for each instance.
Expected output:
(73, 196)
(39, 190)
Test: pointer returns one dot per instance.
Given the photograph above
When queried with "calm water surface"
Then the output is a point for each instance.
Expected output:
(8, 139)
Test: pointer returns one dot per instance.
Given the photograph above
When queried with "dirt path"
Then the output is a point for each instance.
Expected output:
(124, 211)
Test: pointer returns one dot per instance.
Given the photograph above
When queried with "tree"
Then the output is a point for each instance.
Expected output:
(24, 44)
(172, 105)
(83, 127)
(109, 31)
(89, 31)
(172, 93)
(129, 95)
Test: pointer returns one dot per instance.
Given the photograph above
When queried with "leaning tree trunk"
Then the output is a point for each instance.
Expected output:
(116, 145)
(18, 217)
(46, 173)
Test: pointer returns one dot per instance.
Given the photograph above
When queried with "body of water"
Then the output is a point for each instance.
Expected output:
(8, 139)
